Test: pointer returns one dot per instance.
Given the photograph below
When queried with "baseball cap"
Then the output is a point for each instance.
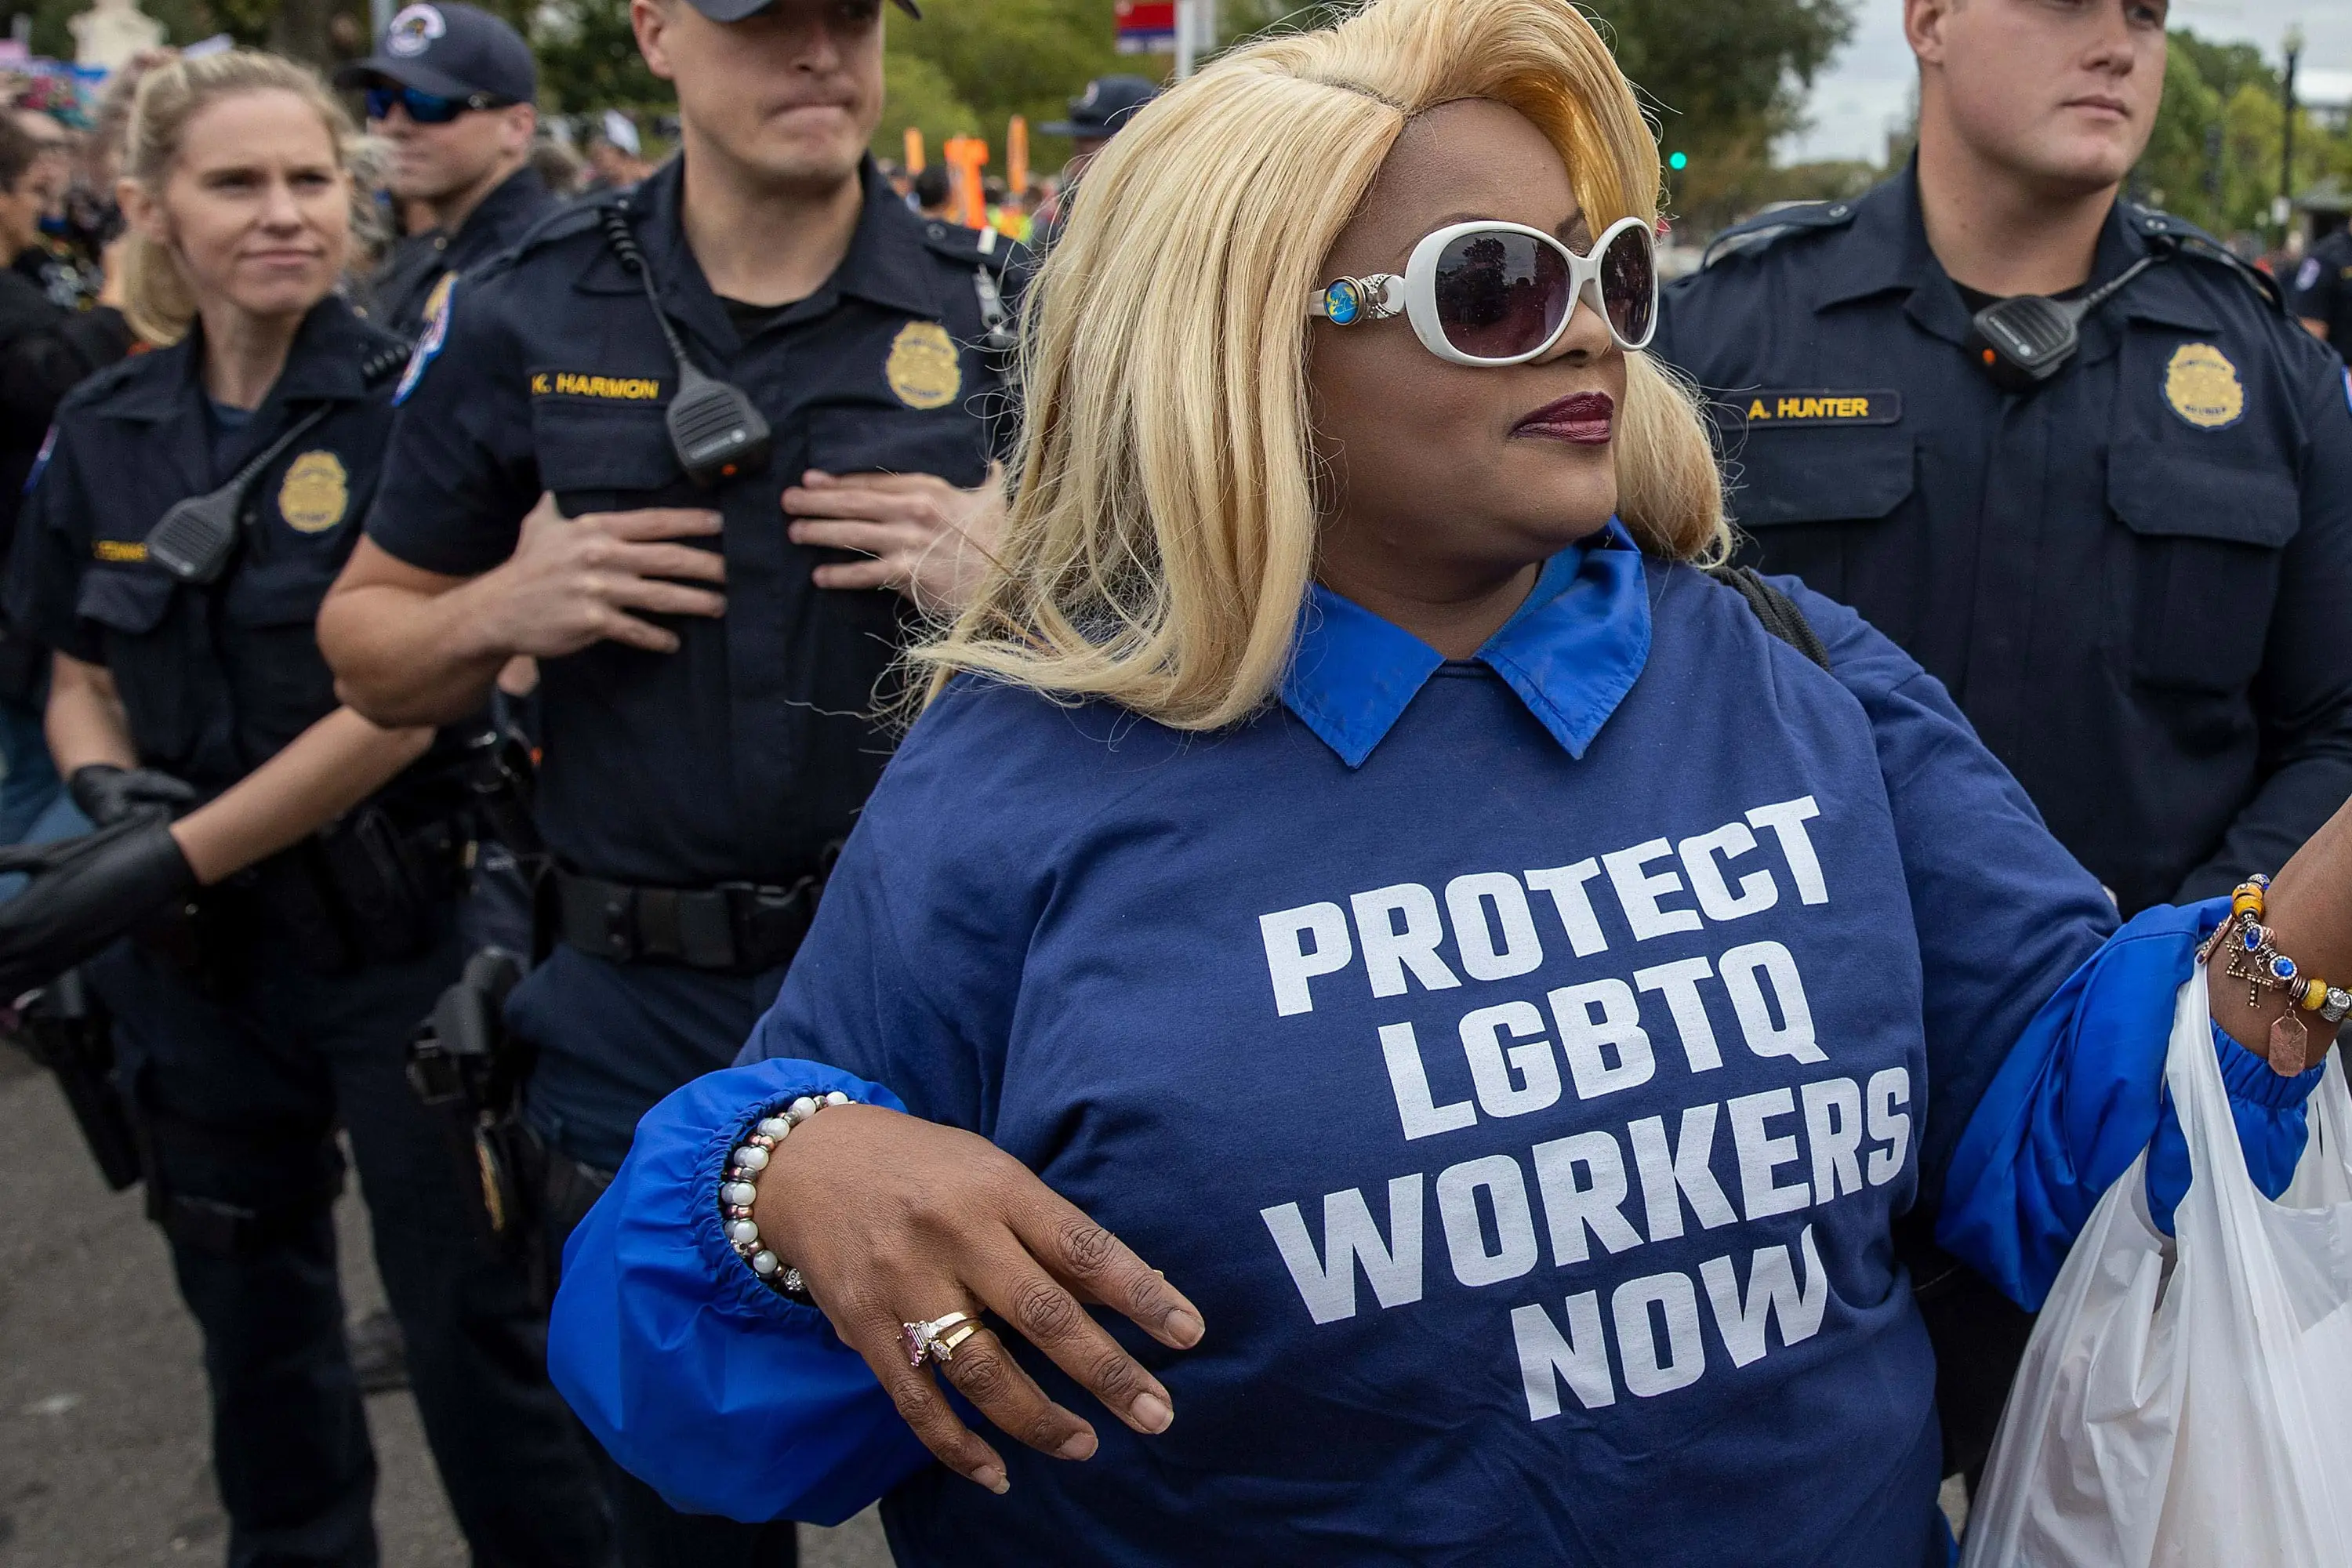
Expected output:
(450, 51)
(736, 10)
(1107, 104)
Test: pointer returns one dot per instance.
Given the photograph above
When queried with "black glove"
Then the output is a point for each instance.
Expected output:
(84, 893)
(107, 795)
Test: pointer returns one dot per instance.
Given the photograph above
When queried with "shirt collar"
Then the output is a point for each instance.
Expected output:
(513, 204)
(886, 261)
(1572, 652)
(1887, 250)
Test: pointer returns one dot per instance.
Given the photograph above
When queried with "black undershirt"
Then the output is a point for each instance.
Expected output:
(750, 321)
(1976, 298)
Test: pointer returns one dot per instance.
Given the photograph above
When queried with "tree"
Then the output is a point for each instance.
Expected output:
(970, 65)
(2213, 156)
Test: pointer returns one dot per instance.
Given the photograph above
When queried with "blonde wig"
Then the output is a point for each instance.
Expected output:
(158, 303)
(1162, 535)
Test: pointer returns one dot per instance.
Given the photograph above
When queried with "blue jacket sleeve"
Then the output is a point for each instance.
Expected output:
(722, 1395)
(2081, 1093)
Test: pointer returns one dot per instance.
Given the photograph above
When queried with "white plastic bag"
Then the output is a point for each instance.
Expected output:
(2191, 1402)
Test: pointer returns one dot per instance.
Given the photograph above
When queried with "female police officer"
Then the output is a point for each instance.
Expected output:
(1361, 863)
(295, 924)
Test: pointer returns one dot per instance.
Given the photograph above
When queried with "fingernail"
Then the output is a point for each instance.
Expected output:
(1079, 1445)
(1151, 1413)
(993, 1478)
(1185, 1327)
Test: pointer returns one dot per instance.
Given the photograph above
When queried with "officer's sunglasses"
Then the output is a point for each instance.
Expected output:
(1490, 293)
(427, 107)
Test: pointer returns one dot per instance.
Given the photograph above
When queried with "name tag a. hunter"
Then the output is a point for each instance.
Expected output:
(1816, 405)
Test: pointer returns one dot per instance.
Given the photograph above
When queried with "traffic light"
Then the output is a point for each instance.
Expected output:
(1677, 162)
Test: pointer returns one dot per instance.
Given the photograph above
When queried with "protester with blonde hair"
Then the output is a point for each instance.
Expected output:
(286, 872)
(1354, 859)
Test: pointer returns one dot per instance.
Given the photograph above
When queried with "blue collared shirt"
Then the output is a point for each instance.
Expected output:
(1572, 652)
(1520, 1059)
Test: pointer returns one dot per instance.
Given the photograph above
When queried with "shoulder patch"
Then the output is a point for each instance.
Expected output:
(428, 346)
(1768, 229)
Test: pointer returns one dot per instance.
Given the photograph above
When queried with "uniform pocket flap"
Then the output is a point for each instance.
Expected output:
(132, 602)
(948, 442)
(2160, 494)
(1819, 476)
(588, 449)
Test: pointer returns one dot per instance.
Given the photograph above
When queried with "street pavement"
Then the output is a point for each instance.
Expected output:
(104, 1456)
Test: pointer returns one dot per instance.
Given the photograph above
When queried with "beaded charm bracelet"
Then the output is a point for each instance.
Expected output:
(738, 1190)
(2255, 959)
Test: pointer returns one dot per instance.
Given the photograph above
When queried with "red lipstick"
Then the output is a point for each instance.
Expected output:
(1583, 417)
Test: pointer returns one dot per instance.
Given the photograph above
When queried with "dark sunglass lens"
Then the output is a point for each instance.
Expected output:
(1628, 274)
(1500, 295)
(380, 100)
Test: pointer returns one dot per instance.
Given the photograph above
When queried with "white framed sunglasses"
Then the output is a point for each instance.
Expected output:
(1494, 293)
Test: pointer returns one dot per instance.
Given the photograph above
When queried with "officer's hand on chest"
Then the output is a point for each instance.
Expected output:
(925, 538)
(587, 579)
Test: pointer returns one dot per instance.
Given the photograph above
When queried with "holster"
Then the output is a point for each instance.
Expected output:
(66, 1029)
(363, 889)
(468, 1070)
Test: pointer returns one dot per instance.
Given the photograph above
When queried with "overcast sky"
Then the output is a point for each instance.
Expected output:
(1867, 88)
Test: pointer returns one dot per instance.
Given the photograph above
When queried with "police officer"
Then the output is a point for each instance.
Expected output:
(297, 919)
(2132, 575)
(2323, 291)
(45, 348)
(451, 88)
(2130, 572)
(1095, 116)
(668, 449)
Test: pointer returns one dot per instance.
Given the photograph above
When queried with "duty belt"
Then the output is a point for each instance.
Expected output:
(741, 927)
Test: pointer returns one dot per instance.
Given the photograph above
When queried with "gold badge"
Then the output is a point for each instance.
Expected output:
(2202, 386)
(924, 370)
(315, 494)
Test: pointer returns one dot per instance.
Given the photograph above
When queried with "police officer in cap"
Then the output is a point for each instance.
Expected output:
(452, 89)
(2323, 291)
(1095, 116)
(679, 447)
(2129, 563)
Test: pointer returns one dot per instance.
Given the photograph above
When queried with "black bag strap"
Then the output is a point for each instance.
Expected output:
(1777, 611)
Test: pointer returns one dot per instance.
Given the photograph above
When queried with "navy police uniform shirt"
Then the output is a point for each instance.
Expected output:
(2134, 580)
(215, 682)
(746, 754)
(2322, 290)
(422, 265)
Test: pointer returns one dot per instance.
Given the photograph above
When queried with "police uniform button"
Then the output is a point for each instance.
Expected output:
(937, 231)
(1838, 211)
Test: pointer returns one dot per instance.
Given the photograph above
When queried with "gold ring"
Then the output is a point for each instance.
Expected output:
(945, 1347)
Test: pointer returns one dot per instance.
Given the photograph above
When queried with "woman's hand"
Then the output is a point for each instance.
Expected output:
(892, 1220)
(2309, 913)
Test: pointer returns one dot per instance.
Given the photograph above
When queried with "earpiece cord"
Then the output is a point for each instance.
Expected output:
(624, 249)
(2107, 291)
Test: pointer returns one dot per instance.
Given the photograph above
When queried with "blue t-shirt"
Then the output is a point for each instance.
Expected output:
(1520, 1060)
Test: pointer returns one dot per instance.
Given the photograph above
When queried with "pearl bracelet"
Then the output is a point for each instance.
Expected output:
(738, 1190)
